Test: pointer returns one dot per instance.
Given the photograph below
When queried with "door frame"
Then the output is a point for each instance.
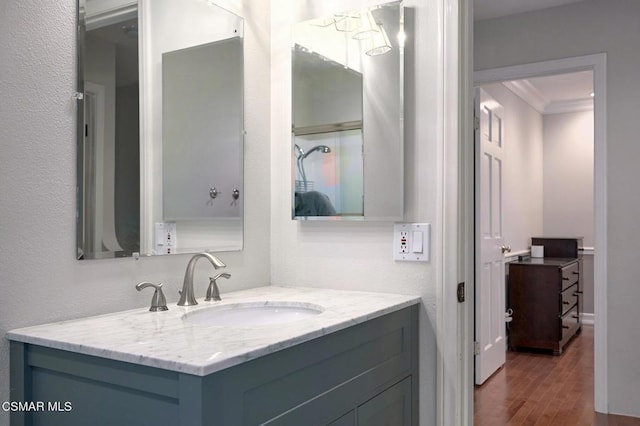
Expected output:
(597, 64)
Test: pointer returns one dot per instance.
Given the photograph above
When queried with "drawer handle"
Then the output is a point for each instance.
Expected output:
(575, 273)
(565, 326)
(566, 278)
(577, 293)
(575, 316)
(564, 302)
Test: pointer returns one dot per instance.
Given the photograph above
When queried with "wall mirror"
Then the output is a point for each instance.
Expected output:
(160, 128)
(347, 115)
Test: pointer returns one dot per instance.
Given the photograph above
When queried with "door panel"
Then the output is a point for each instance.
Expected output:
(490, 290)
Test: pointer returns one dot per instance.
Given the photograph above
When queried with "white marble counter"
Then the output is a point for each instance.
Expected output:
(164, 340)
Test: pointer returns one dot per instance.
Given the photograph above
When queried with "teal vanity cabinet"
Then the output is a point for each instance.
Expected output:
(365, 374)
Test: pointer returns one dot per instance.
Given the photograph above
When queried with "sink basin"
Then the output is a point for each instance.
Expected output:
(252, 314)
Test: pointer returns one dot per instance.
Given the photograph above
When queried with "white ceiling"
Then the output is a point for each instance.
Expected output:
(557, 93)
(486, 9)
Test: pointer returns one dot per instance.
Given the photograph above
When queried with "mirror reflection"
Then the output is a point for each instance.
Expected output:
(347, 149)
(178, 188)
(202, 132)
(109, 160)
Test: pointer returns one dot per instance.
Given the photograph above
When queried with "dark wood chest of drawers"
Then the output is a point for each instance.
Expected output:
(545, 296)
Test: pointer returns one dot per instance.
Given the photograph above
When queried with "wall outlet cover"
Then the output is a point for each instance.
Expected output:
(411, 242)
(165, 240)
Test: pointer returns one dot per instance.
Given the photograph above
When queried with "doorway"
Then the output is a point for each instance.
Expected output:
(595, 64)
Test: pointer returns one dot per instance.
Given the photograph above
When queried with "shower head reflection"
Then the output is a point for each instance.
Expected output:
(322, 148)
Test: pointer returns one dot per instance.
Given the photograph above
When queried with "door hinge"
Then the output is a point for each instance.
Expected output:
(461, 292)
(476, 123)
(476, 348)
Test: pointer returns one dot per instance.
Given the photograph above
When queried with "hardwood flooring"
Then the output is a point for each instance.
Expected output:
(541, 389)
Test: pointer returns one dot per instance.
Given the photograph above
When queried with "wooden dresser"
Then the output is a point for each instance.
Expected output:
(545, 295)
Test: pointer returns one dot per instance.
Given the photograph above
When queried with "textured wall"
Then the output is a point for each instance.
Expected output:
(589, 27)
(40, 280)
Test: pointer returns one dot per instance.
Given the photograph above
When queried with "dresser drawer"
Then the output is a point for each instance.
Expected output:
(570, 275)
(569, 298)
(570, 321)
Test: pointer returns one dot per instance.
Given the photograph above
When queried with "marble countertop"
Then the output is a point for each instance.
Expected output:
(164, 340)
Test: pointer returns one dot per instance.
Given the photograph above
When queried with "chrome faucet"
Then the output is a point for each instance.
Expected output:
(187, 297)
(213, 292)
(158, 302)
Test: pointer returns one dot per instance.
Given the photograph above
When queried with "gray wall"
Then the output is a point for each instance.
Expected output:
(568, 176)
(40, 279)
(588, 27)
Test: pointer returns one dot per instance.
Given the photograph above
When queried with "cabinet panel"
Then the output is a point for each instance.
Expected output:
(348, 419)
(390, 408)
(570, 275)
(570, 322)
(104, 404)
(569, 298)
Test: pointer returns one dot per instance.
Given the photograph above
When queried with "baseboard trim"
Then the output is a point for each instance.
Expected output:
(588, 319)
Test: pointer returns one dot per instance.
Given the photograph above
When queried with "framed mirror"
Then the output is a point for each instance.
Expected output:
(347, 115)
(160, 128)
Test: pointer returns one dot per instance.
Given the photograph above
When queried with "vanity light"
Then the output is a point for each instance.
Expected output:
(367, 27)
(379, 44)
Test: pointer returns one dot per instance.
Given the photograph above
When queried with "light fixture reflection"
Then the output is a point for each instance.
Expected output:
(367, 28)
(347, 22)
(379, 44)
(323, 22)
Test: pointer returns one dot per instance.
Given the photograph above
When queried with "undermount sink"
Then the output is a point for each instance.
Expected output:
(252, 314)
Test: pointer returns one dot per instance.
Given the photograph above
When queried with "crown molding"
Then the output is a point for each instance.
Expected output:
(528, 93)
(575, 105)
(532, 96)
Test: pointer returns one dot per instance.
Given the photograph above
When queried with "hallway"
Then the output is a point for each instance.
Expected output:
(541, 389)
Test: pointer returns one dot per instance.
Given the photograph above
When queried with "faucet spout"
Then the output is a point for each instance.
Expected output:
(187, 297)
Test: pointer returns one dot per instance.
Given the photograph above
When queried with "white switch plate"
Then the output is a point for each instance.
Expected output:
(405, 248)
(165, 238)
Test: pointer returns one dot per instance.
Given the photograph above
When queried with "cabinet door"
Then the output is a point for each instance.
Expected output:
(348, 419)
(389, 408)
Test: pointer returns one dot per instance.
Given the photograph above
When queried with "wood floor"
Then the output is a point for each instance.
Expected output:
(541, 389)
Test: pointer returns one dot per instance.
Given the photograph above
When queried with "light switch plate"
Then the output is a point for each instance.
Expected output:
(411, 242)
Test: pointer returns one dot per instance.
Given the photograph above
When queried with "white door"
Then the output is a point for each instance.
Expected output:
(490, 327)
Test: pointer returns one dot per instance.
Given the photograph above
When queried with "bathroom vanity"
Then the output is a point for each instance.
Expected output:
(354, 363)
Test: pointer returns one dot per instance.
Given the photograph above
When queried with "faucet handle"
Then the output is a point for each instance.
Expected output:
(213, 292)
(158, 302)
